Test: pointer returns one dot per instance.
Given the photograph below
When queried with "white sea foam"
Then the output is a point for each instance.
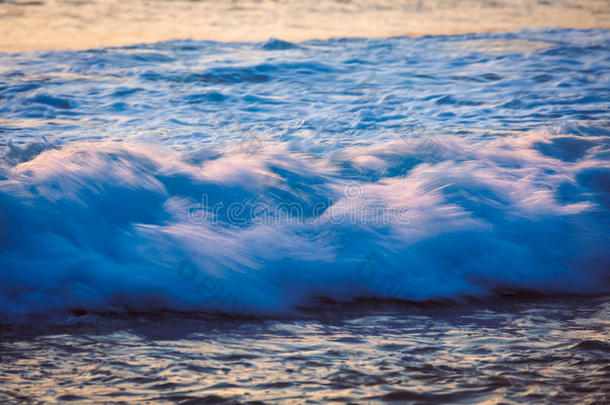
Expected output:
(129, 226)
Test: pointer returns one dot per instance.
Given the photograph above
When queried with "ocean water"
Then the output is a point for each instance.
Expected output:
(509, 351)
(351, 212)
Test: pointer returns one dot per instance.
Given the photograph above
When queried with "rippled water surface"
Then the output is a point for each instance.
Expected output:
(540, 351)
(183, 93)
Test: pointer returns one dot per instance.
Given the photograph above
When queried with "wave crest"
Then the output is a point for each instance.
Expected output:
(126, 226)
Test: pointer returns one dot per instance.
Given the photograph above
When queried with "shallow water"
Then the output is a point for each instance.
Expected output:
(511, 351)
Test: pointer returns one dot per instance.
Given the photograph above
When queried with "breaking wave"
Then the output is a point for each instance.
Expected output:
(115, 226)
(259, 178)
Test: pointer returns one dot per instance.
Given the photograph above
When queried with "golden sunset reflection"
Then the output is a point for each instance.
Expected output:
(65, 24)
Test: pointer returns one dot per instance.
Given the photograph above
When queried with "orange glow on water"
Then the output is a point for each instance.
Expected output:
(63, 24)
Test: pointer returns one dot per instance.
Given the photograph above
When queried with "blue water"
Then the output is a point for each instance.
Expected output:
(262, 178)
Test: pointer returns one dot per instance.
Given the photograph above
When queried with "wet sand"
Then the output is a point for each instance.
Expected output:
(27, 25)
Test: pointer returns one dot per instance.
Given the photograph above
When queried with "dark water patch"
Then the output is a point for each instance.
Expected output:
(592, 346)
(56, 102)
(164, 386)
(391, 347)
(452, 100)
(274, 44)
(492, 77)
(142, 380)
(200, 369)
(125, 91)
(350, 339)
(20, 88)
(193, 400)
(354, 378)
(567, 149)
(221, 386)
(151, 57)
(236, 357)
(14, 154)
(213, 96)
(597, 180)
(542, 78)
(275, 385)
(70, 398)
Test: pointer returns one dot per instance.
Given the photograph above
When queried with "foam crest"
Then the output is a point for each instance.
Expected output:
(115, 226)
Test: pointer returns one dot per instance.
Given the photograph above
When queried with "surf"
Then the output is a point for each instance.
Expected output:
(118, 226)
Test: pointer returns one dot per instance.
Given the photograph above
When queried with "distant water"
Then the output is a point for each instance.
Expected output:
(186, 179)
(40, 25)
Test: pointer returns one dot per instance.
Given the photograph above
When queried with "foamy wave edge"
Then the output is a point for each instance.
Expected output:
(119, 226)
